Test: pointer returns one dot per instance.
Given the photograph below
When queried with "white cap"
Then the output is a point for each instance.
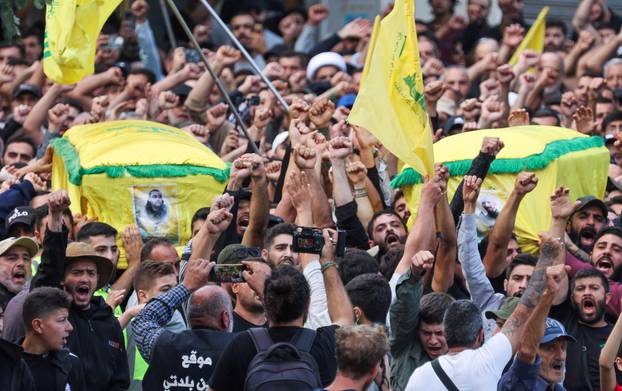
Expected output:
(325, 59)
(278, 140)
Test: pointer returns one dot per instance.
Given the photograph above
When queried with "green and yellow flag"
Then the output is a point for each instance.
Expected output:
(71, 30)
(534, 39)
(391, 100)
(137, 172)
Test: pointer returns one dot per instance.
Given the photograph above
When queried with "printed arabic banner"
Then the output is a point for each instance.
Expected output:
(137, 172)
(558, 156)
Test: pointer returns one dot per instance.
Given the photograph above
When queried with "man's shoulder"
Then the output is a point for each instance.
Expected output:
(214, 337)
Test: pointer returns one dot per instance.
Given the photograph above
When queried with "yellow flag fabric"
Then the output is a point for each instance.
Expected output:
(71, 30)
(534, 39)
(558, 156)
(137, 172)
(391, 100)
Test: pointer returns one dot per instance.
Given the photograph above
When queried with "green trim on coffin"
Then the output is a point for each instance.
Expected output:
(75, 172)
(533, 162)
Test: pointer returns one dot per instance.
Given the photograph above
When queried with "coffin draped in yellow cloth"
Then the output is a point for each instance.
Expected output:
(137, 172)
(558, 156)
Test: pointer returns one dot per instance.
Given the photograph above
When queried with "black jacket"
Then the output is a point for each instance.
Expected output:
(97, 338)
(67, 370)
(14, 373)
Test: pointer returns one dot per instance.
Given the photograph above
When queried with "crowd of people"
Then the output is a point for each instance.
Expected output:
(304, 273)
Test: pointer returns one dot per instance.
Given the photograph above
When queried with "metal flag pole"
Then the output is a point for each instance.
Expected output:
(167, 25)
(218, 82)
(245, 53)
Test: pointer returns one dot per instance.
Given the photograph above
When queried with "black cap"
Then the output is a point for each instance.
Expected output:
(455, 122)
(21, 214)
(182, 91)
(25, 88)
(590, 200)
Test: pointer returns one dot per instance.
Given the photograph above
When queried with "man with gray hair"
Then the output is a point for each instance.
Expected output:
(613, 73)
(191, 354)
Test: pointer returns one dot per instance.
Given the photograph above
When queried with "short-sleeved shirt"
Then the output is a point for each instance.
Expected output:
(230, 372)
(470, 370)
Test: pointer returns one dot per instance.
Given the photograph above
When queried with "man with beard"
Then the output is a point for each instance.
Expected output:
(583, 315)
(589, 217)
(555, 36)
(248, 311)
(97, 337)
(244, 29)
(278, 245)
(15, 272)
(521, 267)
(155, 206)
(386, 230)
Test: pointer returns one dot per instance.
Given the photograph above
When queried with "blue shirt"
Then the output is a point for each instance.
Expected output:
(524, 376)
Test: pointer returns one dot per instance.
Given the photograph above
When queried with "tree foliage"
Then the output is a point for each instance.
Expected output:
(9, 21)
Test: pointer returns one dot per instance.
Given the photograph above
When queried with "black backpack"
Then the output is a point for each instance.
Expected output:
(283, 365)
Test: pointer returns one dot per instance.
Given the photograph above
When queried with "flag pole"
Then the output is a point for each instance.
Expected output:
(167, 24)
(218, 82)
(245, 53)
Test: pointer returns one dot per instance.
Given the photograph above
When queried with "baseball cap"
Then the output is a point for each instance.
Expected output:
(182, 91)
(21, 214)
(24, 241)
(236, 253)
(554, 330)
(26, 88)
(590, 200)
(505, 310)
(81, 250)
(453, 123)
(346, 101)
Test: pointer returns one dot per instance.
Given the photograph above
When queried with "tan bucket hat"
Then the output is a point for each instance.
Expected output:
(81, 250)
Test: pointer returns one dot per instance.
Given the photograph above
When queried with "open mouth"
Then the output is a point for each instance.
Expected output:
(589, 306)
(243, 221)
(19, 276)
(82, 293)
(435, 350)
(287, 261)
(604, 263)
(391, 239)
(588, 234)
(558, 366)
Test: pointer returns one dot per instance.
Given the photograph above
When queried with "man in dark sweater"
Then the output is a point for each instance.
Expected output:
(97, 338)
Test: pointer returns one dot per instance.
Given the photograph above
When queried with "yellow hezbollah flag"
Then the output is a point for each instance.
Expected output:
(71, 30)
(534, 39)
(558, 156)
(391, 101)
(137, 172)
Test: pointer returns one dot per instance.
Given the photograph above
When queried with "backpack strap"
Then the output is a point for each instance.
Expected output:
(303, 341)
(261, 338)
(442, 376)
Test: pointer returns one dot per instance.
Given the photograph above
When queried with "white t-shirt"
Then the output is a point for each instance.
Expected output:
(472, 369)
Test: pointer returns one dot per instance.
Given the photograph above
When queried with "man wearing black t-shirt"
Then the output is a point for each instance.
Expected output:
(286, 298)
(46, 317)
(583, 315)
(248, 311)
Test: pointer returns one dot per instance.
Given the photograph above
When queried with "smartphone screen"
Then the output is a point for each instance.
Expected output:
(229, 273)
